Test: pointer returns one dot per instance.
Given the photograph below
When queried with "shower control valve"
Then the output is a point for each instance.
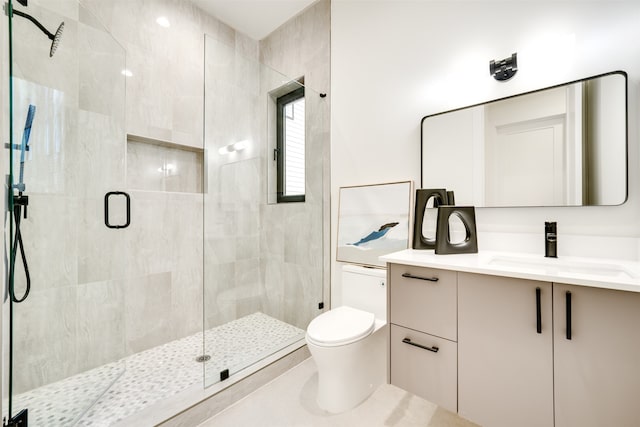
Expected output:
(22, 200)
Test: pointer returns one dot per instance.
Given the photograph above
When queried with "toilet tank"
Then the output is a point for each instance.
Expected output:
(366, 289)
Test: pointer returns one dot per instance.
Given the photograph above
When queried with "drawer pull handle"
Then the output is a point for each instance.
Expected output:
(408, 341)
(411, 276)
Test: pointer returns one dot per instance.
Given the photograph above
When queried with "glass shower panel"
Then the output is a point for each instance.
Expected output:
(69, 333)
(263, 261)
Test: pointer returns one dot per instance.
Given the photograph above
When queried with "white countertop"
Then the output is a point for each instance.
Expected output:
(594, 272)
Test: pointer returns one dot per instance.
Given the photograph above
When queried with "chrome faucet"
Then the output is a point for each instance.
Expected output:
(550, 240)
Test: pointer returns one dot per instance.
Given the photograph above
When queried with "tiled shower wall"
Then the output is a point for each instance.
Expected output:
(301, 47)
(261, 256)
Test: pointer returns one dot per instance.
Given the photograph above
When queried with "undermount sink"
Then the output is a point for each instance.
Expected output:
(561, 267)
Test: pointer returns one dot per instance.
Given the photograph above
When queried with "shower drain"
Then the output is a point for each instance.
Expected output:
(203, 358)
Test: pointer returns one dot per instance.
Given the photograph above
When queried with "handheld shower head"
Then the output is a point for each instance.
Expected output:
(55, 38)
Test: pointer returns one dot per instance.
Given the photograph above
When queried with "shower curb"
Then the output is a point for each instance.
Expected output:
(215, 404)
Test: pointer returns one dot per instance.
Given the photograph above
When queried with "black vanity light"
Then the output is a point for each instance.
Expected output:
(504, 69)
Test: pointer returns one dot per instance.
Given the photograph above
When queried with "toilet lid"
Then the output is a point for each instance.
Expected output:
(340, 326)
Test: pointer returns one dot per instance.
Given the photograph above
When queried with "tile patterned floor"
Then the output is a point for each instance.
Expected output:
(120, 389)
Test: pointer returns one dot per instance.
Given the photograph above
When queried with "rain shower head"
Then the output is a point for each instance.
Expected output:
(55, 38)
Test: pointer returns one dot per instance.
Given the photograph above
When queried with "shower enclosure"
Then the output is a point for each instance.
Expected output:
(156, 268)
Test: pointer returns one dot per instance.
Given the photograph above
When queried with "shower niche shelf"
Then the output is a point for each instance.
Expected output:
(156, 165)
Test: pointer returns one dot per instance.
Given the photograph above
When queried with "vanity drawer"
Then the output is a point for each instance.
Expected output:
(424, 299)
(429, 374)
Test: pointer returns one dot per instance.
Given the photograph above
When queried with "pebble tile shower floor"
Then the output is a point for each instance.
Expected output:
(144, 378)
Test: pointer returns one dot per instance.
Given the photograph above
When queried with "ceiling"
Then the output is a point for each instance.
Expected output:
(255, 18)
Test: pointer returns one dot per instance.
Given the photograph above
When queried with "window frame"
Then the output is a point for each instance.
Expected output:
(280, 151)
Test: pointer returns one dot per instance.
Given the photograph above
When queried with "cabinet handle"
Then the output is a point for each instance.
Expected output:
(408, 341)
(411, 276)
(568, 299)
(538, 312)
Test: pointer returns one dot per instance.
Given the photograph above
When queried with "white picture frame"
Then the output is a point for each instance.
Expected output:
(373, 220)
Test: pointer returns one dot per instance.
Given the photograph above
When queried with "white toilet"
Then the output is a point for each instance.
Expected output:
(348, 343)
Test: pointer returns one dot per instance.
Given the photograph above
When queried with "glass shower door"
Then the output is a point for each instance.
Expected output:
(68, 333)
(263, 260)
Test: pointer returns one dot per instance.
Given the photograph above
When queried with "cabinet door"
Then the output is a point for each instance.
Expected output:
(597, 371)
(505, 366)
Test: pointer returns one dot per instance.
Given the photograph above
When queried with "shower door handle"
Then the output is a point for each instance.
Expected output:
(107, 198)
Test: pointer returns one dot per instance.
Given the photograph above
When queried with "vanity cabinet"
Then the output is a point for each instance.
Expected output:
(505, 353)
(596, 357)
(423, 317)
(515, 352)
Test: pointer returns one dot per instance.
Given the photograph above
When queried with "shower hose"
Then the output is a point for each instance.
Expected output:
(18, 203)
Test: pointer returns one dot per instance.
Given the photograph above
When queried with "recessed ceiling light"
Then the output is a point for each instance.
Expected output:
(127, 73)
(163, 21)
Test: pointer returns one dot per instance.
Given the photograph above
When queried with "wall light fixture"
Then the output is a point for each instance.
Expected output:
(504, 69)
(235, 146)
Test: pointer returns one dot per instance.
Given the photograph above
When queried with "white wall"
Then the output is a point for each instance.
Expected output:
(394, 62)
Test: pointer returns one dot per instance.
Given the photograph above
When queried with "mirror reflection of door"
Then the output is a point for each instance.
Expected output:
(526, 152)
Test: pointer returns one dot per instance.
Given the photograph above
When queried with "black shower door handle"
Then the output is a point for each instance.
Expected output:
(106, 209)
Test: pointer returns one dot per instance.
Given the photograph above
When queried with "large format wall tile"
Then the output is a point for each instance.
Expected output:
(66, 8)
(100, 154)
(219, 295)
(53, 261)
(187, 300)
(272, 245)
(272, 272)
(45, 337)
(147, 302)
(100, 250)
(101, 61)
(101, 332)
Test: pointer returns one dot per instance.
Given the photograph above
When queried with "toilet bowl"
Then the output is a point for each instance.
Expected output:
(348, 343)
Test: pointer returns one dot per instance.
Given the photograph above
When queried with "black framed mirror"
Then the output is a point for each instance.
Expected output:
(564, 145)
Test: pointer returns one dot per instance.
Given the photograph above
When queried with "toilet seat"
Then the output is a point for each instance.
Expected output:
(340, 326)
